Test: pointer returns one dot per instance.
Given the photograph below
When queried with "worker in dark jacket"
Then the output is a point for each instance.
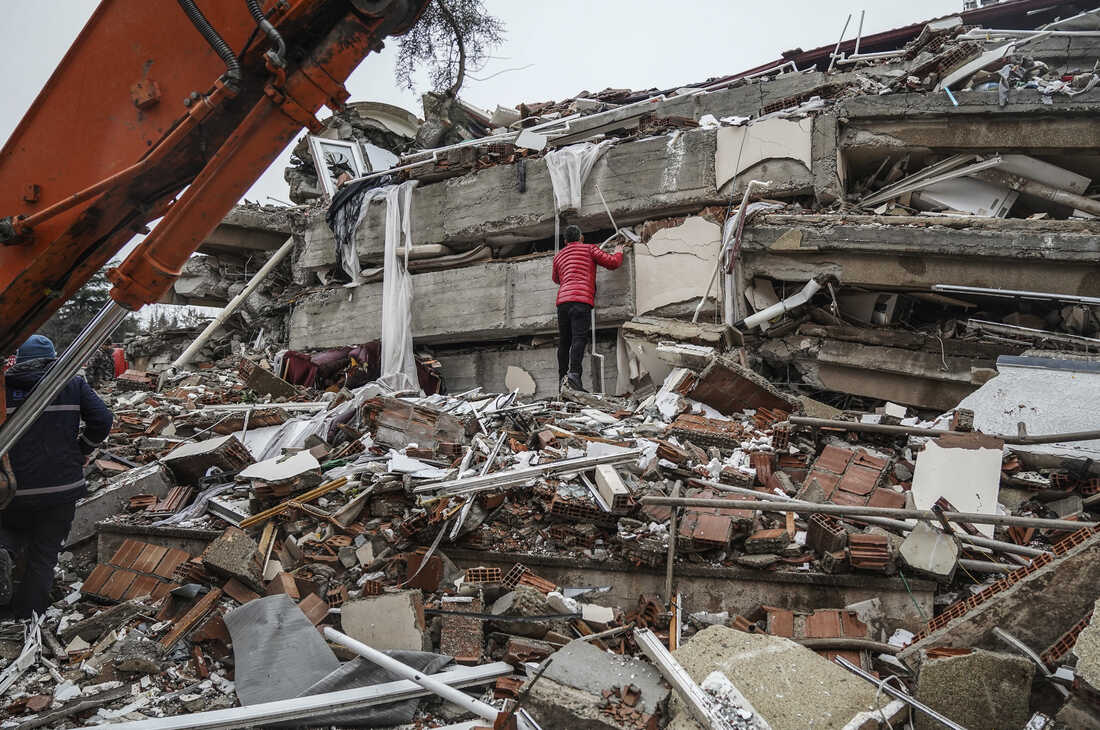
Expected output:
(575, 275)
(48, 463)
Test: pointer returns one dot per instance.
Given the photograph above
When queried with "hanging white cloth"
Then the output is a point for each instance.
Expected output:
(569, 168)
(398, 363)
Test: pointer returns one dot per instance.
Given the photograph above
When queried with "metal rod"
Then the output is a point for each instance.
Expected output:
(433, 685)
(842, 642)
(898, 694)
(671, 544)
(851, 511)
(859, 32)
(315, 706)
(1013, 440)
(66, 366)
(1014, 294)
(502, 479)
(984, 566)
(836, 50)
(235, 303)
(979, 541)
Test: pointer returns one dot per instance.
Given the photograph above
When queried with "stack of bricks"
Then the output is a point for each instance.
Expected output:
(136, 569)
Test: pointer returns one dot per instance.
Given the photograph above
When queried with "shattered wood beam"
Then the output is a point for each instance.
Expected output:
(300, 499)
(315, 706)
(978, 540)
(501, 480)
(1016, 440)
(851, 511)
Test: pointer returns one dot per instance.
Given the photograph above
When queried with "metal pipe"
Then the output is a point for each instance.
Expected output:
(986, 33)
(859, 32)
(898, 694)
(233, 305)
(1050, 438)
(312, 707)
(852, 511)
(984, 566)
(1015, 294)
(457, 697)
(66, 366)
(725, 244)
(836, 50)
(976, 540)
(1040, 190)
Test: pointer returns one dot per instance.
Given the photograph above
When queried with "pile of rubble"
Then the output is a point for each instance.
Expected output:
(234, 512)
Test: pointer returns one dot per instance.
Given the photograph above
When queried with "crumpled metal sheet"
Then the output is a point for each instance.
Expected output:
(280, 655)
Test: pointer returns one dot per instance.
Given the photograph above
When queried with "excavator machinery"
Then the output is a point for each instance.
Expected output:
(166, 110)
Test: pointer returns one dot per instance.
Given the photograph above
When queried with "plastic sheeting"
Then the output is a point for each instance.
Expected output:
(398, 363)
(569, 168)
(278, 654)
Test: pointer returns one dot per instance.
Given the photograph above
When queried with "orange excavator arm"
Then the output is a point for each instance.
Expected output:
(161, 110)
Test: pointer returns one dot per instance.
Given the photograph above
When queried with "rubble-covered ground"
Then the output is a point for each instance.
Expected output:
(245, 507)
(339, 507)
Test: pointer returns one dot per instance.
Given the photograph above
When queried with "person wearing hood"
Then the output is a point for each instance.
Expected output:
(48, 465)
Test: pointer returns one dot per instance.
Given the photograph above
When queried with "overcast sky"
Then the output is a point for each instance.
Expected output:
(562, 48)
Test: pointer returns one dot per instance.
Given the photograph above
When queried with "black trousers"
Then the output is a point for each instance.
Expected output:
(574, 329)
(37, 534)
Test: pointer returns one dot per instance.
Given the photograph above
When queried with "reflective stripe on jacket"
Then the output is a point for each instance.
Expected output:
(48, 460)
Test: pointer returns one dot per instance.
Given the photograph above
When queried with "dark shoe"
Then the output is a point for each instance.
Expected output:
(573, 381)
(5, 577)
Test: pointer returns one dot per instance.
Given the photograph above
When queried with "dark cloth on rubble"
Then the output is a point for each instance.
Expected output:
(343, 212)
(48, 460)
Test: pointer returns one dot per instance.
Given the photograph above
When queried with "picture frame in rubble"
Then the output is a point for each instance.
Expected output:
(333, 157)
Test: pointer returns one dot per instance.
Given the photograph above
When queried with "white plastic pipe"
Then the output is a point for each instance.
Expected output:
(234, 304)
(433, 685)
(765, 315)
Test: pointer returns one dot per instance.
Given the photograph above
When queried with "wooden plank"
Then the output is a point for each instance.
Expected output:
(192, 617)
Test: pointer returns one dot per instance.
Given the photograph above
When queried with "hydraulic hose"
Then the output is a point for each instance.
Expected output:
(232, 65)
(267, 27)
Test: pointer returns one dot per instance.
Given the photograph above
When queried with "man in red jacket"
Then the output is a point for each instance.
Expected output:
(575, 275)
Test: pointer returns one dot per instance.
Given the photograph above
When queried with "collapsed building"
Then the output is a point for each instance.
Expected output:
(862, 280)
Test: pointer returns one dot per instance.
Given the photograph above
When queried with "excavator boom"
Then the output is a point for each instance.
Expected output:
(161, 110)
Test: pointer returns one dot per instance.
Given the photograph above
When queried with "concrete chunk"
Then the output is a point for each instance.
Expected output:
(930, 552)
(388, 621)
(983, 690)
(614, 492)
(190, 462)
(789, 686)
(234, 555)
(583, 666)
(1087, 650)
(151, 479)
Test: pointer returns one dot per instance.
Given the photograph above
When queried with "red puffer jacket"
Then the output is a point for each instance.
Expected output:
(575, 271)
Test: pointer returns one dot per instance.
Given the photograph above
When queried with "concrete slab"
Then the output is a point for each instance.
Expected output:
(583, 666)
(556, 705)
(388, 621)
(790, 686)
(1037, 607)
(983, 690)
(1046, 394)
(1087, 650)
(152, 479)
(649, 178)
(739, 149)
(486, 301)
